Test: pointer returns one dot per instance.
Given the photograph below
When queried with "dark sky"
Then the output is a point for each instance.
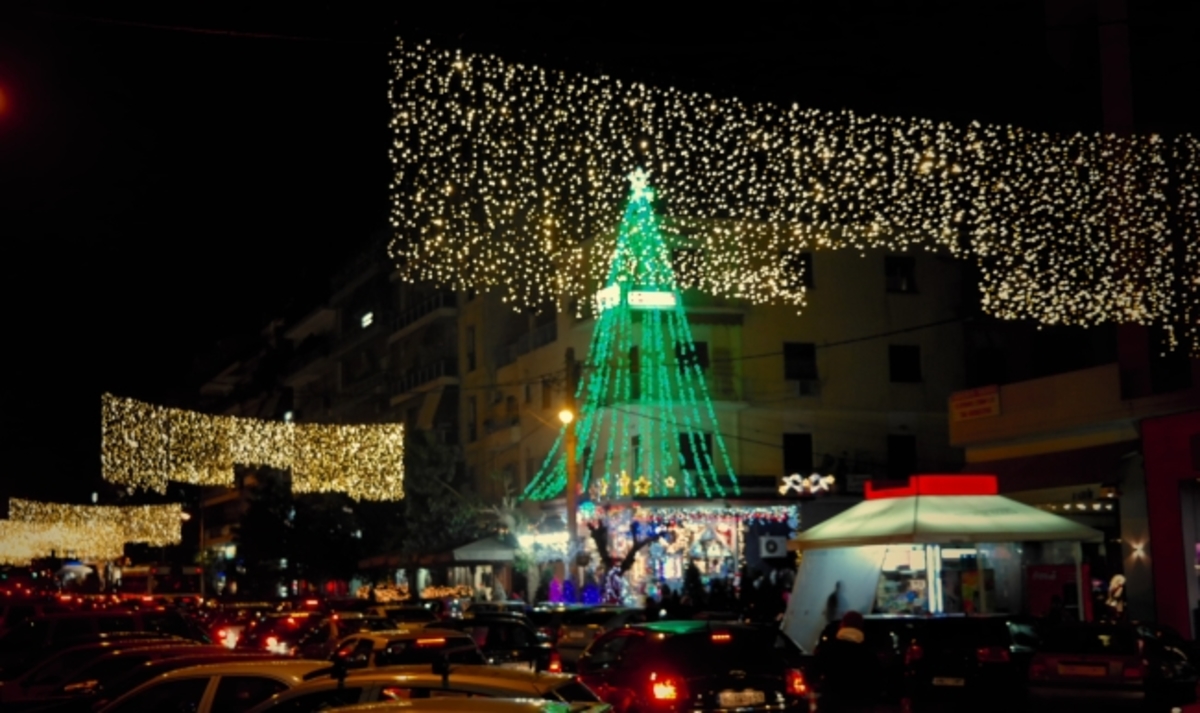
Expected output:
(171, 176)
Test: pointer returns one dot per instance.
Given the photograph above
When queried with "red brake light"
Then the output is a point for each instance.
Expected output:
(555, 663)
(992, 654)
(796, 685)
(913, 654)
(1135, 671)
(431, 642)
(395, 693)
(664, 689)
(722, 637)
(311, 602)
(272, 642)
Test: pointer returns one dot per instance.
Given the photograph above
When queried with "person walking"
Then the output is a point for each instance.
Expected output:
(851, 677)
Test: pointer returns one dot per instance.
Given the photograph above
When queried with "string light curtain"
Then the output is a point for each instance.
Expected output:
(509, 177)
(155, 525)
(146, 446)
(23, 542)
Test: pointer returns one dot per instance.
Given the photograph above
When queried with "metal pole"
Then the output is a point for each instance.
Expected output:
(572, 467)
(1077, 551)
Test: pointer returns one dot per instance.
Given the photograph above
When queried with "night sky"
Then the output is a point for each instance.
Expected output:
(171, 177)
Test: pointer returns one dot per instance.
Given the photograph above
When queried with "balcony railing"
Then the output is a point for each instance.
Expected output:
(442, 300)
(413, 378)
(539, 337)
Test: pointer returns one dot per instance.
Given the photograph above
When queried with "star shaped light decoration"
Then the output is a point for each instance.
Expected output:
(669, 481)
(623, 484)
(641, 486)
(639, 182)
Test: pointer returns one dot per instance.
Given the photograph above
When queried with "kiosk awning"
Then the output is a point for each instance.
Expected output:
(941, 510)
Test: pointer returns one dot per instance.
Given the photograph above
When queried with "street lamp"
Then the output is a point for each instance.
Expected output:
(567, 416)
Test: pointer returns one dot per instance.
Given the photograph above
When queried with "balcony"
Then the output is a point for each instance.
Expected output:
(539, 337)
(414, 379)
(441, 305)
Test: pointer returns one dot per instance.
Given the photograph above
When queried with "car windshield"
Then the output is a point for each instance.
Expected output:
(572, 692)
(1099, 640)
(718, 652)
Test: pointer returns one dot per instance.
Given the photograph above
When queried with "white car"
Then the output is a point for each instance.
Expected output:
(229, 687)
(399, 683)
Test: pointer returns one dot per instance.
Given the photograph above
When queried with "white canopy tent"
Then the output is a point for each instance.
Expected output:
(844, 554)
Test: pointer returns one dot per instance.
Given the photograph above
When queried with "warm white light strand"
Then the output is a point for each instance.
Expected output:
(146, 446)
(511, 178)
(155, 525)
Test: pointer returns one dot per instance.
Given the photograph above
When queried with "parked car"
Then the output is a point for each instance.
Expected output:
(279, 632)
(23, 643)
(969, 660)
(423, 682)
(57, 680)
(508, 641)
(508, 607)
(580, 627)
(230, 687)
(102, 690)
(1110, 663)
(403, 647)
(404, 614)
(697, 666)
(226, 624)
(888, 638)
(321, 641)
(547, 619)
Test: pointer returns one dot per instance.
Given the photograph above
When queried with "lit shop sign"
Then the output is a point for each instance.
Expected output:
(638, 299)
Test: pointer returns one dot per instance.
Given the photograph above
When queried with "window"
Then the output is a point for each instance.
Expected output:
(528, 392)
(693, 460)
(472, 419)
(510, 406)
(106, 624)
(241, 693)
(797, 453)
(901, 273)
(470, 348)
(547, 393)
(367, 319)
(799, 269)
(904, 363)
(178, 696)
(901, 456)
(799, 361)
(688, 358)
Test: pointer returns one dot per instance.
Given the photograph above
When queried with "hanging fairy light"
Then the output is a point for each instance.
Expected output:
(156, 525)
(146, 446)
(22, 542)
(509, 177)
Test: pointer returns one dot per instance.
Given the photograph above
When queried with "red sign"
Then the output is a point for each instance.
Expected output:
(976, 403)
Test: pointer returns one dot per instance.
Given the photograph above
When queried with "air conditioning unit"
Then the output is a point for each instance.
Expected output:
(772, 547)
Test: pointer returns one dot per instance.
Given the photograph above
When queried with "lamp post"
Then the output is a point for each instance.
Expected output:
(567, 416)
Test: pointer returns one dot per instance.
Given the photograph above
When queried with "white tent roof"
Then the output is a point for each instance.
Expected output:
(489, 549)
(942, 519)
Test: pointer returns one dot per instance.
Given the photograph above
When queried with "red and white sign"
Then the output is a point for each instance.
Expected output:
(976, 403)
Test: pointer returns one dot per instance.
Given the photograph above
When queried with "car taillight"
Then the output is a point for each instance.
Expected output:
(555, 663)
(796, 685)
(1038, 669)
(665, 689)
(272, 642)
(992, 654)
(721, 637)
(913, 654)
(1134, 671)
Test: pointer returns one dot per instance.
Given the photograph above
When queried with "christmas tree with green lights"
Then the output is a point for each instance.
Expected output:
(646, 427)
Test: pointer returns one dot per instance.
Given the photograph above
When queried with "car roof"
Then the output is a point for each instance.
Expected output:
(498, 680)
(281, 668)
(472, 705)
